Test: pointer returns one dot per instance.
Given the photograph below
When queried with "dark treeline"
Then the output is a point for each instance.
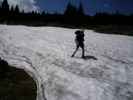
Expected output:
(72, 16)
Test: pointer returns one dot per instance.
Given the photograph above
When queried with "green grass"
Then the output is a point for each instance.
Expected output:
(114, 29)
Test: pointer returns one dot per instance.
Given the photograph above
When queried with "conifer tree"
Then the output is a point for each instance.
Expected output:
(70, 10)
(5, 6)
(80, 9)
(16, 9)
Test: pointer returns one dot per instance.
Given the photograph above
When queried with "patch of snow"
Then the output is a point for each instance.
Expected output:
(44, 52)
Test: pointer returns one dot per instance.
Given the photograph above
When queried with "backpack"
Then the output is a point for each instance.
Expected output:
(79, 36)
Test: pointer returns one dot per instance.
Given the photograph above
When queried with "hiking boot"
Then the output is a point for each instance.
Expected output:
(83, 57)
(72, 56)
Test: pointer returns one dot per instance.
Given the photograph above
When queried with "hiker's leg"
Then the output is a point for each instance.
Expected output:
(83, 51)
(75, 51)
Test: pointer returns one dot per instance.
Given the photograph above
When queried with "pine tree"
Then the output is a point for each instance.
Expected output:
(12, 9)
(70, 10)
(16, 9)
(80, 9)
(0, 4)
(5, 6)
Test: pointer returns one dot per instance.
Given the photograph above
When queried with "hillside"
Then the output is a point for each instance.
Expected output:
(44, 52)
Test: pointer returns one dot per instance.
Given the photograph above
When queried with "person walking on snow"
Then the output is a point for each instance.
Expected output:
(79, 40)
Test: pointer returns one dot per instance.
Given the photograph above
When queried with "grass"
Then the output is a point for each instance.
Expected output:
(114, 29)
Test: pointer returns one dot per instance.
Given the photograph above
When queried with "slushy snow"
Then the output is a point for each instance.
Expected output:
(44, 52)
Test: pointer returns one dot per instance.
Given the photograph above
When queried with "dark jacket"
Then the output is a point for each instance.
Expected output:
(79, 36)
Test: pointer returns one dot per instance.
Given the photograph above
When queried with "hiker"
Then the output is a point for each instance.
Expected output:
(79, 40)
